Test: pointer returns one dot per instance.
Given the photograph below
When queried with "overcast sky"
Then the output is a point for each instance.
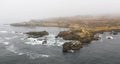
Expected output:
(24, 10)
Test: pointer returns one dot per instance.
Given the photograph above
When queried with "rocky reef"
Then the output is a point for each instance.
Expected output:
(37, 34)
(82, 28)
(75, 45)
(79, 36)
(83, 35)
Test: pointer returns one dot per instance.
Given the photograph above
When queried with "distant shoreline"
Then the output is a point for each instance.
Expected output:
(96, 23)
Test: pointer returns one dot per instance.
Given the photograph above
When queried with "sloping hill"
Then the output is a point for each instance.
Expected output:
(92, 21)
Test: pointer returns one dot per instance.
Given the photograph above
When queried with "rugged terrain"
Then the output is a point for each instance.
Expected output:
(96, 22)
(82, 28)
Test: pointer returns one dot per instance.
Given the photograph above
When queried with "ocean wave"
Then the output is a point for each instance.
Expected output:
(51, 41)
(7, 32)
(3, 31)
(36, 55)
(12, 32)
(33, 41)
(6, 43)
(13, 49)
(9, 38)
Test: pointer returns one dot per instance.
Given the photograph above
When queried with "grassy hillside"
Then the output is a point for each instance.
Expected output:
(98, 23)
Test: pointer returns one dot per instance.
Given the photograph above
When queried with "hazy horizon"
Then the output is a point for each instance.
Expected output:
(24, 10)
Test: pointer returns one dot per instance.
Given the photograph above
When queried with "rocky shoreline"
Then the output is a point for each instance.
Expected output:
(80, 37)
(81, 29)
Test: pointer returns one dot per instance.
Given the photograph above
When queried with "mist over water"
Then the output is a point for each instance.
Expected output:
(16, 48)
(25, 10)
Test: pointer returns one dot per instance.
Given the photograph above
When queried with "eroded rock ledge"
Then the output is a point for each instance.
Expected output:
(82, 35)
(75, 45)
(37, 34)
(79, 37)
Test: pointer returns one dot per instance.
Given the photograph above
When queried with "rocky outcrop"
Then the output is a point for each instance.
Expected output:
(68, 35)
(97, 37)
(114, 32)
(75, 45)
(37, 34)
(82, 35)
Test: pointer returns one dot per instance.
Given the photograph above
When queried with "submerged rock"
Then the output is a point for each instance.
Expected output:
(114, 32)
(109, 37)
(37, 34)
(97, 37)
(75, 45)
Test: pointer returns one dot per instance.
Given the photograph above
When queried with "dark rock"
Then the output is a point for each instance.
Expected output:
(62, 34)
(37, 34)
(114, 32)
(45, 41)
(66, 46)
(84, 37)
(67, 35)
(75, 45)
(109, 37)
(97, 37)
(85, 40)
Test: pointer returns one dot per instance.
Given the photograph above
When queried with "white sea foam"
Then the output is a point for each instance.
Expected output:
(20, 53)
(3, 31)
(34, 41)
(72, 51)
(13, 32)
(6, 43)
(9, 38)
(51, 41)
(36, 55)
(43, 55)
(23, 38)
(109, 37)
(12, 48)
(19, 33)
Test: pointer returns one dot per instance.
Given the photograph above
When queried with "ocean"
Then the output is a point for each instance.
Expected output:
(16, 48)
